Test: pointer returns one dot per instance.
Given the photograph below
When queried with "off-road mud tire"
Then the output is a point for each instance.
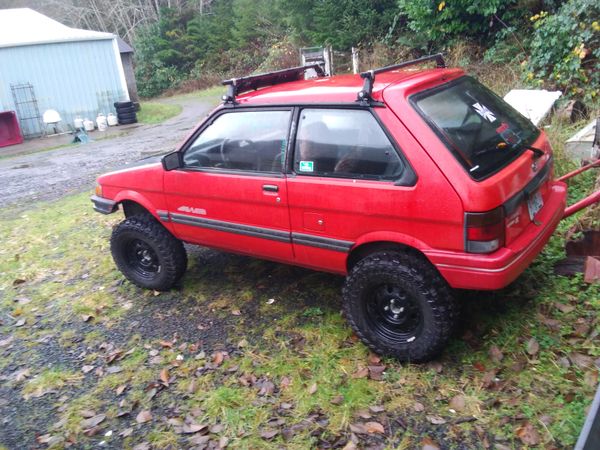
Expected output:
(127, 116)
(127, 121)
(169, 252)
(418, 280)
(126, 109)
(122, 104)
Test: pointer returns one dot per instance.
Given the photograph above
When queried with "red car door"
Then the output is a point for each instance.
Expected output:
(351, 185)
(231, 192)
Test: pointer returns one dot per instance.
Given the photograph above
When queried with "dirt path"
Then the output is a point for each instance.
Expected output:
(55, 173)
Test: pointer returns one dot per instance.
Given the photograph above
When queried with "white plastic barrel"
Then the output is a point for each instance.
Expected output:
(101, 122)
(88, 124)
(112, 120)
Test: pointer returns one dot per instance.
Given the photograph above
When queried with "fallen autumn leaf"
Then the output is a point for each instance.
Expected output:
(144, 416)
(533, 347)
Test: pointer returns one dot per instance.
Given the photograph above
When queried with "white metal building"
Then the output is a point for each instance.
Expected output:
(47, 65)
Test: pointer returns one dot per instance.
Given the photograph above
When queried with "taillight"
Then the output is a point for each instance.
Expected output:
(484, 232)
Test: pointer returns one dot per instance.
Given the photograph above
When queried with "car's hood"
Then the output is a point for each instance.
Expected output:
(152, 159)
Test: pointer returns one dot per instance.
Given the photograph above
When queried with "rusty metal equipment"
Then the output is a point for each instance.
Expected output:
(587, 201)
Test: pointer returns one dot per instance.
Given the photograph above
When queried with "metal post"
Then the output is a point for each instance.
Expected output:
(327, 60)
(590, 433)
(355, 68)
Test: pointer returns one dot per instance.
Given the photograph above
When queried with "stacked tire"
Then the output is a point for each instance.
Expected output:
(126, 112)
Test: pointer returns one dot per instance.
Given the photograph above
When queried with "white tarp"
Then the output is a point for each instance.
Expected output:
(535, 104)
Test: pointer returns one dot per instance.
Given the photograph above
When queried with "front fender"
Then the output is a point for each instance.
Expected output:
(138, 198)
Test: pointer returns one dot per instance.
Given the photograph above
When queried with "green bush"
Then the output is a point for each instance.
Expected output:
(565, 49)
(280, 55)
(154, 78)
(440, 21)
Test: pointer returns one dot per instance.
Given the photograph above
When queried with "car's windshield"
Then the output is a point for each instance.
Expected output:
(483, 131)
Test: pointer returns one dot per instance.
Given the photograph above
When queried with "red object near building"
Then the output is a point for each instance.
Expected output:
(10, 133)
(408, 182)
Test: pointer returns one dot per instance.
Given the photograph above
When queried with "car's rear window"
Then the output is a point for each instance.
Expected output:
(483, 131)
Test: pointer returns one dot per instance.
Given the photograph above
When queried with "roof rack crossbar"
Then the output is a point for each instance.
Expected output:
(236, 86)
(365, 94)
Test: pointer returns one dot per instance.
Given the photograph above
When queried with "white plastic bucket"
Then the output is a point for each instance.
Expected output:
(101, 122)
(112, 120)
(88, 125)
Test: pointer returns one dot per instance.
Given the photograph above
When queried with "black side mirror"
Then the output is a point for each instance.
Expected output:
(172, 161)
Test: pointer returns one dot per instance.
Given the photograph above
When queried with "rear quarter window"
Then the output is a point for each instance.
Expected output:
(483, 132)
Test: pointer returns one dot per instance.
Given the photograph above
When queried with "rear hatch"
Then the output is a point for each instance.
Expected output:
(507, 159)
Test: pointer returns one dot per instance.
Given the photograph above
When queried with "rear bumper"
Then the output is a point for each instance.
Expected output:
(497, 270)
(103, 205)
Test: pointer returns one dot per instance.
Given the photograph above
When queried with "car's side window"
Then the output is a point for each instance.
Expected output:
(245, 140)
(346, 143)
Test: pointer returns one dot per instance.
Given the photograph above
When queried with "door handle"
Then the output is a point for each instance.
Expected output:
(270, 188)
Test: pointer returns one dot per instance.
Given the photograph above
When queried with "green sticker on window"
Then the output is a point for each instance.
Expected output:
(307, 166)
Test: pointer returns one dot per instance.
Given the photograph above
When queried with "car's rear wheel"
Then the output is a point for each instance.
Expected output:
(399, 305)
(147, 254)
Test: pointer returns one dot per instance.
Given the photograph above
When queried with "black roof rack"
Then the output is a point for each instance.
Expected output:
(236, 86)
(365, 94)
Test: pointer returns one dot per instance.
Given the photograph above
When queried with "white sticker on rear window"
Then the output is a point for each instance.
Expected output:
(484, 112)
(307, 166)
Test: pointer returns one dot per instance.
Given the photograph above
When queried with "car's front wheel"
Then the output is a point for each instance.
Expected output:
(400, 306)
(147, 254)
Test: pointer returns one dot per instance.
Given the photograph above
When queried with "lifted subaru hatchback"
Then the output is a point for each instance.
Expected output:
(410, 182)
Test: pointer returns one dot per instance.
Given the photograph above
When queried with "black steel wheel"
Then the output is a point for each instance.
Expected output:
(399, 305)
(392, 313)
(142, 259)
(147, 254)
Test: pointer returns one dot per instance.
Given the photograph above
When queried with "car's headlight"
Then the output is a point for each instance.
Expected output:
(99, 190)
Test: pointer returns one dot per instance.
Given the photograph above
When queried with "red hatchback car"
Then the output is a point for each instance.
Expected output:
(408, 181)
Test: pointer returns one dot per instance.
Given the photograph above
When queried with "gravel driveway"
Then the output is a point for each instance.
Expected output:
(52, 174)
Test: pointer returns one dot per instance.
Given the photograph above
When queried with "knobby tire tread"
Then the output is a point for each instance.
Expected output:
(169, 249)
(430, 284)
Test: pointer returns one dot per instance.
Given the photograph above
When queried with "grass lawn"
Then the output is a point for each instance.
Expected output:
(154, 112)
(158, 110)
(252, 354)
(212, 94)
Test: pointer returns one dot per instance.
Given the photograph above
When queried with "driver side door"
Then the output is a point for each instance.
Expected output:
(231, 193)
